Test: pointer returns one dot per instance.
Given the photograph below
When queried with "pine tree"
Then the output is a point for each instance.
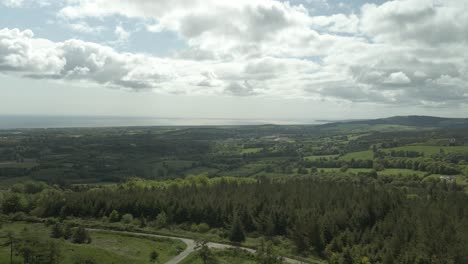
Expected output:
(154, 255)
(237, 234)
(143, 223)
(81, 236)
(114, 216)
(57, 231)
(67, 232)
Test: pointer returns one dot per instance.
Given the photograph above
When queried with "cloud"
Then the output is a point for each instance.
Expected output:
(21, 52)
(122, 34)
(397, 78)
(338, 23)
(22, 3)
(13, 3)
(398, 52)
(78, 60)
(428, 22)
(83, 27)
(234, 28)
(240, 89)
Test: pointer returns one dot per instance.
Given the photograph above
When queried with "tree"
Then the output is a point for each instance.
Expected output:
(127, 218)
(266, 255)
(203, 251)
(81, 236)
(237, 234)
(143, 222)
(38, 250)
(154, 255)
(57, 231)
(114, 216)
(344, 168)
(13, 203)
(11, 240)
(161, 220)
(53, 254)
(67, 232)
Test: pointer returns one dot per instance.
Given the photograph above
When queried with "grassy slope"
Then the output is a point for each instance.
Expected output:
(403, 172)
(105, 247)
(363, 155)
(223, 257)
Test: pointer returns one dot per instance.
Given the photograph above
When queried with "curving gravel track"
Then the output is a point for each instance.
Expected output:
(190, 245)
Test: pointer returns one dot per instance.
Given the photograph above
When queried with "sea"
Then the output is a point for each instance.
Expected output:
(24, 121)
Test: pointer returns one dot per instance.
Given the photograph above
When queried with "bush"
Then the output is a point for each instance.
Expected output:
(127, 219)
(81, 236)
(13, 203)
(114, 216)
(202, 228)
(161, 220)
(67, 232)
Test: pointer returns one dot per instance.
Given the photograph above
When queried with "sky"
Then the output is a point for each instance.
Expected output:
(244, 59)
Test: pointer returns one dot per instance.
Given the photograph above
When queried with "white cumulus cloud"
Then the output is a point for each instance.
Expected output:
(398, 52)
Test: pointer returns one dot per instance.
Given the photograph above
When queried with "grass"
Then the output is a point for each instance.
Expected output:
(357, 136)
(429, 150)
(18, 165)
(227, 256)
(403, 172)
(282, 245)
(251, 150)
(362, 155)
(105, 247)
(350, 170)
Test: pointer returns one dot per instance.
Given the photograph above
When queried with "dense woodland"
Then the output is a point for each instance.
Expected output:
(340, 220)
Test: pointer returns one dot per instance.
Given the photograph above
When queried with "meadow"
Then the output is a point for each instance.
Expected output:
(104, 248)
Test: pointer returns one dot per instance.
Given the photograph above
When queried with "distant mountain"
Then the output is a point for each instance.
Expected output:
(403, 121)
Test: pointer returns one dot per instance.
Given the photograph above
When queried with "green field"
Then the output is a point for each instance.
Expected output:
(228, 256)
(251, 150)
(429, 150)
(105, 247)
(362, 155)
(350, 170)
(403, 172)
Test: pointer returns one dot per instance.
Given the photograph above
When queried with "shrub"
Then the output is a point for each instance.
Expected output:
(127, 219)
(114, 216)
(81, 236)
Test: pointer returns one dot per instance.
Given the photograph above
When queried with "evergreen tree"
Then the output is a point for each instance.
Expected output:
(114, 216)
(237, 234)
(154, 255)
(203, 251)
(81, 236)
(67, 232)
(57, 231)
(143, 222)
